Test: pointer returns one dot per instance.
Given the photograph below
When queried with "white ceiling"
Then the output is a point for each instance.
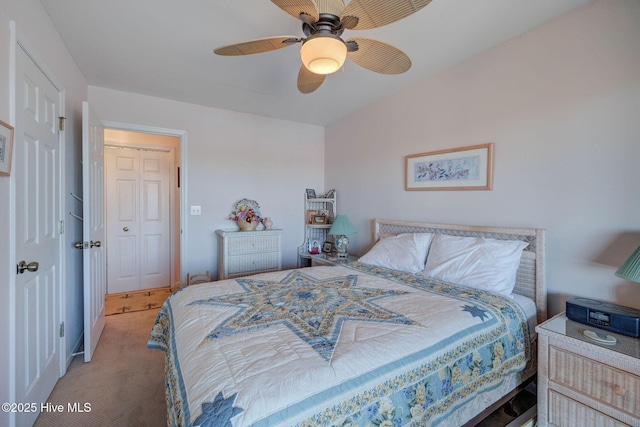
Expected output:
(164, 48)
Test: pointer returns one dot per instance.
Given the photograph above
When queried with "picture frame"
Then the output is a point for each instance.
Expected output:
(309, 215)
(318, 219)
(6, 148)
(323, 212)
(311, 193)
(314, 247)
(327, 247)
(330, 194)
(465, 168)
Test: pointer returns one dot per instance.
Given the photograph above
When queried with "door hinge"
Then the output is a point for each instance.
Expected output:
(61, 227)
(61, 123)
(61, 329)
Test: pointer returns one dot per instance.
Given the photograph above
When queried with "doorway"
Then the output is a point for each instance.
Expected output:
(142, 210)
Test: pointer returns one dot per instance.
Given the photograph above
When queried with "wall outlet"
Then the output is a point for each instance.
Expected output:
(196, 210)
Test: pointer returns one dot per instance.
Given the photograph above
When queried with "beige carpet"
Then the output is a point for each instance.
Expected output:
(123, 383)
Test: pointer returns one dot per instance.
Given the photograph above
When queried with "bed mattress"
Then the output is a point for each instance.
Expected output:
(343, 345)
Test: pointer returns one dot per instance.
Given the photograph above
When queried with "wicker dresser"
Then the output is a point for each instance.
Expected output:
(241, 253)
(585, 383)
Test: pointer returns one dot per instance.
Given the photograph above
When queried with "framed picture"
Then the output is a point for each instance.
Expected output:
(330, 194)
(310, 214)
(319, 219)
(314, 246)
(324, 212)
(6, 148)
(327, 247)
(466, 168)
(311, 193)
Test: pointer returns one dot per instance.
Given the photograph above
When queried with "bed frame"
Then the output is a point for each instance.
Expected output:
(530, 278)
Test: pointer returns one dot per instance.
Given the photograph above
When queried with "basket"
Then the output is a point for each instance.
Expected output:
(247, 226)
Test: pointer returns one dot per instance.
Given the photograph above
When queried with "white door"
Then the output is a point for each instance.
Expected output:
(37, 236)
(93, 229)
(138, 219)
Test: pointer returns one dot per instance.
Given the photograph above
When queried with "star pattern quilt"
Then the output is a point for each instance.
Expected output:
(348, 345)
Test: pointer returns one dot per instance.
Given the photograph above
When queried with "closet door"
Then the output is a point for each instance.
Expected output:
(155, 251)
(139, 255)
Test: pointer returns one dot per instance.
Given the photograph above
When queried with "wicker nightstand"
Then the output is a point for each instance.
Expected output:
(582, 382)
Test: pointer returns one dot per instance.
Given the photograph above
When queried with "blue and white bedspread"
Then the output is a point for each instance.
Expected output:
(351, 345)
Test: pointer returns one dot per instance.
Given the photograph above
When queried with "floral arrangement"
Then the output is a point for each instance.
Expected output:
(246, 210)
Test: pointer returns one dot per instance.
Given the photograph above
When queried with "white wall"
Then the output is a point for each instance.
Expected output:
(35, 27)
(230, 156)
(561, 104)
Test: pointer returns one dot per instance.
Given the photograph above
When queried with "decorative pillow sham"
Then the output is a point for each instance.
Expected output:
(477, 262)
(405, 252)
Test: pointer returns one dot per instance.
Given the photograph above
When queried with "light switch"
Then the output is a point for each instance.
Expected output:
(196, 210)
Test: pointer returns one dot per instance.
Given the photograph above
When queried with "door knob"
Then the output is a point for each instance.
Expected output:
(96, 244)
(78, 245)
(32, 266)
(125, 228)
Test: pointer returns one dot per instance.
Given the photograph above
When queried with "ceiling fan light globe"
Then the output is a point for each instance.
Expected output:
(323, 66)
(323, 55)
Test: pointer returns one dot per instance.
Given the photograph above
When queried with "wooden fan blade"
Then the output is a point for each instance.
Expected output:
(256, 46)
(334, 7)
(296, 7)
(379, 57)
(308, 81)
(376, 13)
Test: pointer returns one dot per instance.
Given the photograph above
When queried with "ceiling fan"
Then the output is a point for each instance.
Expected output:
(323, 51)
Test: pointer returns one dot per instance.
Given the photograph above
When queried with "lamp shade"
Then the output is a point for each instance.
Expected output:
(342, 226)
(630, 270)
(323, 54)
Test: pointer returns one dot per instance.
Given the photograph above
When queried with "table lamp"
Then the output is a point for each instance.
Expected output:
(630, 270)
(341, 228)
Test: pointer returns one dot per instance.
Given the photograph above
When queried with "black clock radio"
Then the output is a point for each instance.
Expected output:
(604, 315)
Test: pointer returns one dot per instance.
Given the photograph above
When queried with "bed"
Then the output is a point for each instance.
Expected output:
(369, 343)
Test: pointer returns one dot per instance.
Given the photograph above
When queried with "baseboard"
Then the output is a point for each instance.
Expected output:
(77, 346)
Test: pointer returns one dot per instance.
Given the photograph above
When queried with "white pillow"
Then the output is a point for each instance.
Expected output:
(405, 252)
(481, 263)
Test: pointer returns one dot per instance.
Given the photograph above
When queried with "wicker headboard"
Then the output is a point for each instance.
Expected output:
(530, 277)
